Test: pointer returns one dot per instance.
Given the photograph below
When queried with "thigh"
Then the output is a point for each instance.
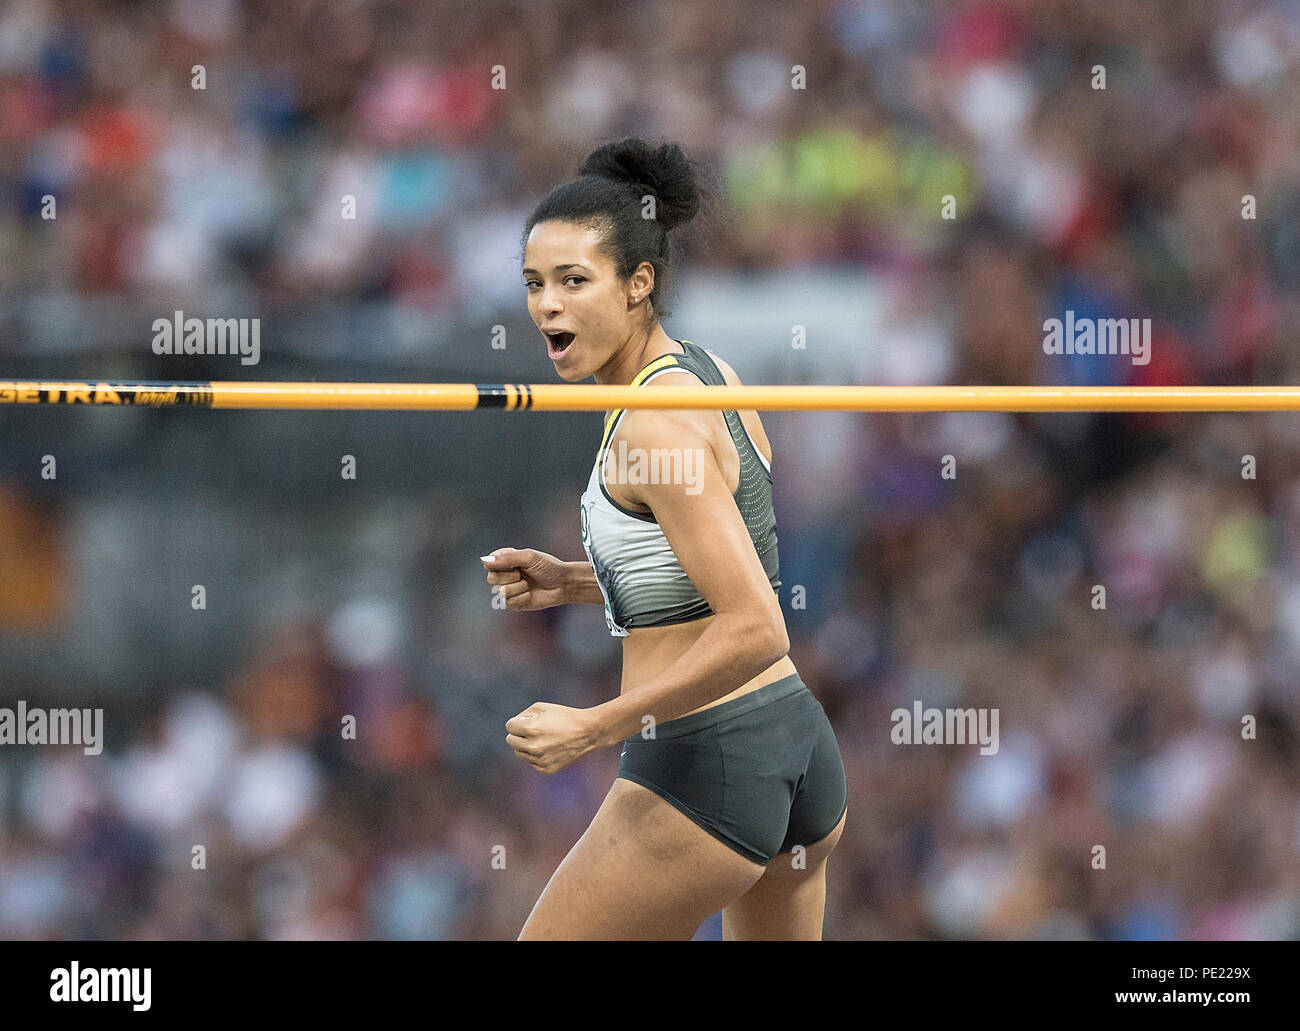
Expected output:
(642, 870)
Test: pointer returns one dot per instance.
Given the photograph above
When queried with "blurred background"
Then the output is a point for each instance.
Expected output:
(328, 597)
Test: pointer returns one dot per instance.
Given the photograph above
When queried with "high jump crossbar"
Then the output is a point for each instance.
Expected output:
(572, 397)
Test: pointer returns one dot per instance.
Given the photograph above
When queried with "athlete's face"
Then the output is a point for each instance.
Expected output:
(573, 287)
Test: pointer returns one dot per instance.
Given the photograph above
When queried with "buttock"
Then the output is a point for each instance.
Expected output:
(762, 772)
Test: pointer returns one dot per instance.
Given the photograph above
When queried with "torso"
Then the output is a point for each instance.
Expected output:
(648, 651)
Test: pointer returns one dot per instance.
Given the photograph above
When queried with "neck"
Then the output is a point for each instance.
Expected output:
(640, 350)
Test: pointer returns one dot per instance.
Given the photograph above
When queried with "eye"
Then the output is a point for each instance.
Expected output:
(530, 283)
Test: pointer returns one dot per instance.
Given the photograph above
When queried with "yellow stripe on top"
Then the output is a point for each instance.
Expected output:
(659, 363)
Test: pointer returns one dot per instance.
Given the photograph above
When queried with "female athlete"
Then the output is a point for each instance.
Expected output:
(730, 793)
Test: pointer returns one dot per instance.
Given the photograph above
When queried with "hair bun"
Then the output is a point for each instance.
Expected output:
(664, 172)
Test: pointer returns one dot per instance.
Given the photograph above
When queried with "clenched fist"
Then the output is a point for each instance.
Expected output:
(528, 579)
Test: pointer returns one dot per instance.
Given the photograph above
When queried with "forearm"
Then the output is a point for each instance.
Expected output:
(730, 652)
(582, 586)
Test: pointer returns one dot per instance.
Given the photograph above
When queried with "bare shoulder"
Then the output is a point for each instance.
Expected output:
(649, 427)
(649, 434)
(656, 420)
(666, 427)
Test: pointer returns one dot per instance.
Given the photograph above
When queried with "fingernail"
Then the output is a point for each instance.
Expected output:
(487, 558)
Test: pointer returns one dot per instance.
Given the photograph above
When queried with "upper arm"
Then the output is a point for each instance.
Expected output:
(699, 517)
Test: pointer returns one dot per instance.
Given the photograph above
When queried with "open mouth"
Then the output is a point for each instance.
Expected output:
(558, 343)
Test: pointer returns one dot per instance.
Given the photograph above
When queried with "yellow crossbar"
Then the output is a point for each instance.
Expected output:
(570, 397)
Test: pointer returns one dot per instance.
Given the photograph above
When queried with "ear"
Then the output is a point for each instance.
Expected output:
(640, 284)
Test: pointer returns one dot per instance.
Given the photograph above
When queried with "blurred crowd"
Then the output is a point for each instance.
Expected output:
(1162, 725)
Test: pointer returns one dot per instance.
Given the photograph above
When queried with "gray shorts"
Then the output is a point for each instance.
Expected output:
(762, 773)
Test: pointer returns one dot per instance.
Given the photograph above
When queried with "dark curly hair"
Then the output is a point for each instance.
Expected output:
(610, 195)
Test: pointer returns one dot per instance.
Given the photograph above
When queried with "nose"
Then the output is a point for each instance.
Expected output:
(548, 302)
(550, 299)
